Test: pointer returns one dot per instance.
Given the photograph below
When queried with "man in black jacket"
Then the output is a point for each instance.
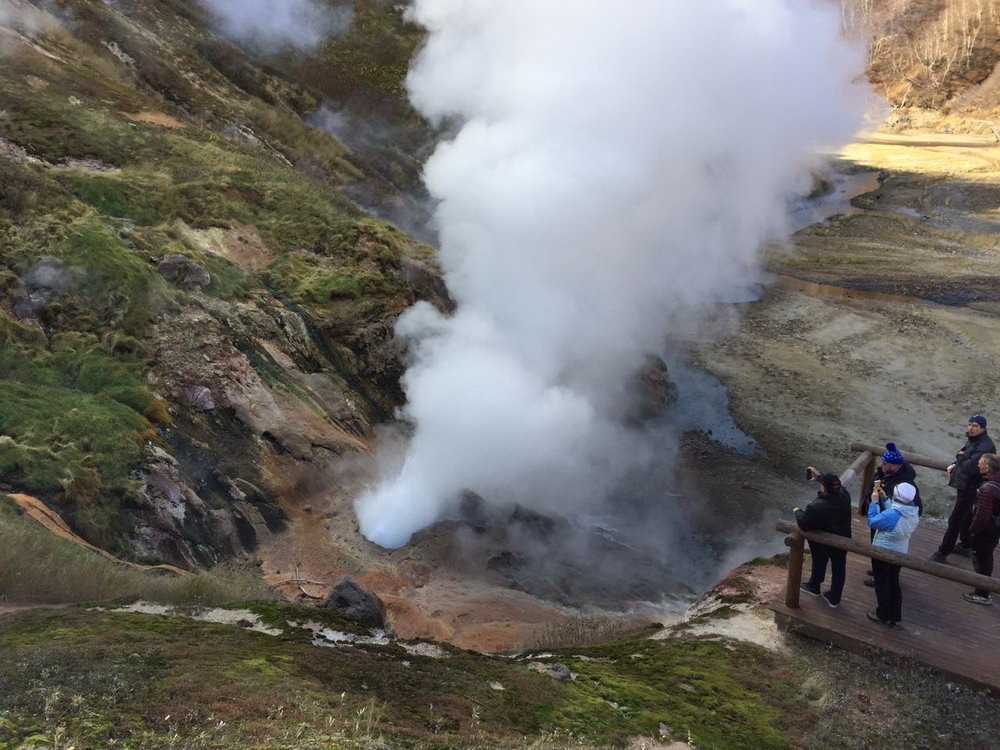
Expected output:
(894, 470)
(965, 477)
(830, 512)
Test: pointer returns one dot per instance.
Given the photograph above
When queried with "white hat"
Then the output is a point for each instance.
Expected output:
(904, 493)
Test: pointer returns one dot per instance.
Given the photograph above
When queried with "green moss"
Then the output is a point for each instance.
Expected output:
(720, 696)
(50, 126)
(119, 284)
(76, 447)
(121, 197)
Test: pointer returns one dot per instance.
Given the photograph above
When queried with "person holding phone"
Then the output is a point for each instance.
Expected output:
(829, 512)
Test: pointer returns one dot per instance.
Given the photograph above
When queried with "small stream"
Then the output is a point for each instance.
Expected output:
(703, 404)
(845, 186)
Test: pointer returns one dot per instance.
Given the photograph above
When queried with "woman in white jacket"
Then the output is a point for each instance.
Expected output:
(894, 521)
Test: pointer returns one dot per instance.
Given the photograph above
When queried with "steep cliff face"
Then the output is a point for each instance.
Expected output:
(195, 312)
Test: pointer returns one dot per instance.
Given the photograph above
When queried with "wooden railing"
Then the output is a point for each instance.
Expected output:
(864, 466)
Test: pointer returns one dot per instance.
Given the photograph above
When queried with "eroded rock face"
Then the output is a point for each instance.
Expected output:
(356, 604)
(172, 522)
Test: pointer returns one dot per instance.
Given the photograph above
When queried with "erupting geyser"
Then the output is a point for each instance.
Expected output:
(614, 165)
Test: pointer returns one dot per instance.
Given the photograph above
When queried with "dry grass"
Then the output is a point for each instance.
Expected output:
(36, 566)
(586, 631)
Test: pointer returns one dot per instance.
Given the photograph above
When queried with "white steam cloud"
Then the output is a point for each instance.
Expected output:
(275, 23)
(20, 20)
(614, 165)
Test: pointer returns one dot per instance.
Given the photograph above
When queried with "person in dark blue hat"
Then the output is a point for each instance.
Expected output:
(895, 470)
(965, 477)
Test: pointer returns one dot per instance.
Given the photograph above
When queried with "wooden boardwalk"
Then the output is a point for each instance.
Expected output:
(939, 628)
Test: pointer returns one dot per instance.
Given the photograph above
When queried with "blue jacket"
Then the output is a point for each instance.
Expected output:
(893, 526)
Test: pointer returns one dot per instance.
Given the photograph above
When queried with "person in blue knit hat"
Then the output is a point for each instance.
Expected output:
(895, 470)
(965, 477)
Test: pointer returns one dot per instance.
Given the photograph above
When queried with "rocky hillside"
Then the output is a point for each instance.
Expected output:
(197, 296)
(939, 56)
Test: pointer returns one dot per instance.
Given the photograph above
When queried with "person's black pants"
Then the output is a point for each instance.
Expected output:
(983, 545)
(821, 554)
(887, 591)
(958, 522)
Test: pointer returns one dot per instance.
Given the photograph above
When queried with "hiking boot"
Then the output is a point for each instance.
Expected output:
(811, 590)
(870, 614)
(975, 598)
(870, 582)
(869, 572)
(938, 557)
(828, 600)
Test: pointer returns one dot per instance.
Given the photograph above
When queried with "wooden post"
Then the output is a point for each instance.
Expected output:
(866, 480)
(796, 552)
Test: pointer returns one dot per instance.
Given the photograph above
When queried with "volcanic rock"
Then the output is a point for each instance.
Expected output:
(179, 269)
(652, 391)
(356, 604)
(557, 671)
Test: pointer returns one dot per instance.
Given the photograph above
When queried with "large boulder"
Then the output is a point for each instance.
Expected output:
(356, 604)
(179, 269)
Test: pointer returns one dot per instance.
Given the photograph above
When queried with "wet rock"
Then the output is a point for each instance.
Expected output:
(356, 604)
(179, 269)
(653, 392)
(556, 671)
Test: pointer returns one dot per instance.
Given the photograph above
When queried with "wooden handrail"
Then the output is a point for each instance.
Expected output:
(913, 458)
(986, 583)
(859, 467)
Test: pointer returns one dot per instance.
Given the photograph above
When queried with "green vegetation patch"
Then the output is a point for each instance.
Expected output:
(77, 447)
(719, 694)
(283, 692)
(123, 197)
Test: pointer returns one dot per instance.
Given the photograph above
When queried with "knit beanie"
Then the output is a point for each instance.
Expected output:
(904, 493)
(979, 419)
(892, 454)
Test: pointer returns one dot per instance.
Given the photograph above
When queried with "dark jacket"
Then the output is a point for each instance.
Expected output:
(965, 475)
(905, 473)
(830, 513)
(987, 502)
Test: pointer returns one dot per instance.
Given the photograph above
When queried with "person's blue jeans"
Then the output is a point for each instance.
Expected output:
(821, 555)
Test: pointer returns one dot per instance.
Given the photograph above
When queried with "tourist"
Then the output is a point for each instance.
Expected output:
(893, 528)
(894, 470)
(964, 476)
(984, 533)
(829, 512)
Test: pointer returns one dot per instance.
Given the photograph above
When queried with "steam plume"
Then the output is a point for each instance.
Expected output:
(274, 23)
(615, 164)
(20, 19)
